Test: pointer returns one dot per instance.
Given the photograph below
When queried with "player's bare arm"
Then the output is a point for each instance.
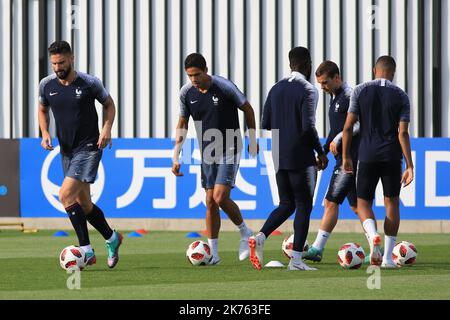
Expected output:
(334, 145)
(347, 134)
(249, 114)
(44, 120)
(180, 137)
(403, 137)
(110, 113)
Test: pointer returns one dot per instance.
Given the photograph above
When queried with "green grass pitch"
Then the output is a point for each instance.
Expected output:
(155, 267)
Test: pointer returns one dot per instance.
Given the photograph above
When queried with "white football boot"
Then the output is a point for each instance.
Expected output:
(244, 250)
(375, 251)
(298, 264)
(256, 245)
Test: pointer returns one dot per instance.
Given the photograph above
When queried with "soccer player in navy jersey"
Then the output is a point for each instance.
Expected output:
(71, 96)
(383, 111)
(290, 108)
(342, 185)
(213, 103)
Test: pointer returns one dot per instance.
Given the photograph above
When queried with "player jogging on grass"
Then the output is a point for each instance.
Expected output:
(290, 108)
(213, 102)
(71, 96)
(342, 185)
(383, 110)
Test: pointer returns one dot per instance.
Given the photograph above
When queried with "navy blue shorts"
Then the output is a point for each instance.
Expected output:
(220, 173)
(342, 185)
(369, 173)
(82, 165)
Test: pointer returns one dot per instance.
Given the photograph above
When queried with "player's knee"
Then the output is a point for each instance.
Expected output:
(210, 203)
(288, 206)
(220, 198)
(392, 201)
(66, 197)
(304, 208)
(331, 205)
(392, 206)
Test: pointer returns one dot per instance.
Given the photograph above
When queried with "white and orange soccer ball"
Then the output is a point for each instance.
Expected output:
(199, 253)
(72, 258)
(404, 253)
(288, 245)
(351, 256)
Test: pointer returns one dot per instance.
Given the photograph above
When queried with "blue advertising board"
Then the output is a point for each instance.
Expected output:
(135, 181)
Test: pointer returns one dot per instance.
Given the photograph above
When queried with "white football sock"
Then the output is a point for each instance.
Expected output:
(296, 255)
(113, 237)
(214, 245)
(86, 248)
(389, 244)
(244, 230)
(321, 239)
(371, 228)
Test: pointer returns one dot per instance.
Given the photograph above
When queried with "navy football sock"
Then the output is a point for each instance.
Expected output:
(301, 225)
(78, 219)
(97, 219)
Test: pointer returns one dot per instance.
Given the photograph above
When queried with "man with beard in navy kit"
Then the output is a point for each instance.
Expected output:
(71, 96)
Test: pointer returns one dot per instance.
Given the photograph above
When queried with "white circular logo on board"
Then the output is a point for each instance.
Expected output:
(51, 190)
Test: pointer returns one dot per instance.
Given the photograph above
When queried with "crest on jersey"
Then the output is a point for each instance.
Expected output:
(78, 92)
(215, 100)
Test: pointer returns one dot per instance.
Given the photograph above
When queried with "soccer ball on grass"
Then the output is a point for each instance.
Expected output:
(288, 245)
(199, 253)
(404, 253)
(351, 256)
(72, 258)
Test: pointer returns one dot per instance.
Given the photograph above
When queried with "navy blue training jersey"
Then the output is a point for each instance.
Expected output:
(337, 114)
(380, 106)
(290, 108)
(73, 107)
(216, 109)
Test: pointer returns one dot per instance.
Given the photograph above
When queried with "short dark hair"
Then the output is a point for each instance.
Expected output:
(329, 68)
(59, 47)
(299, 57)
(386, 63)
(195, 60)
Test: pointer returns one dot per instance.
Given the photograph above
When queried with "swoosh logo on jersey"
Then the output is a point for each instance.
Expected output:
(195, 101)
(53, 94)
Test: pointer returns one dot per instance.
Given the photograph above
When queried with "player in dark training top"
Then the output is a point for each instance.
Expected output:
(290, 111)
(71, 96)
(383, 111)
(342, 185)
(213, 102)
